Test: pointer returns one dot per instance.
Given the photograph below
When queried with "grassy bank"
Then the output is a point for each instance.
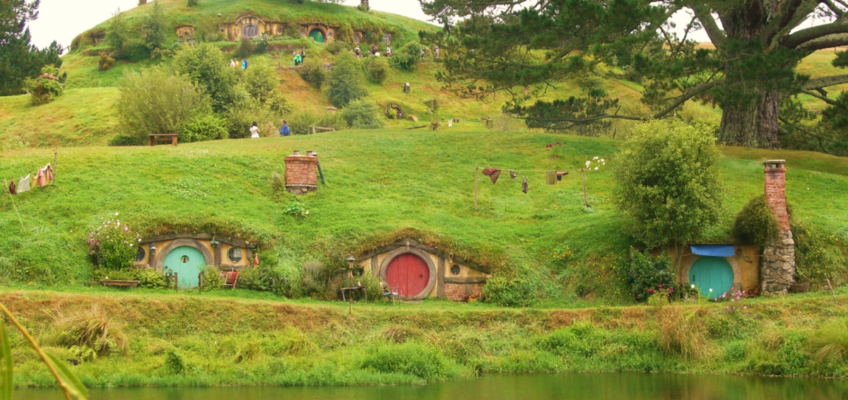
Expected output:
(206, 340)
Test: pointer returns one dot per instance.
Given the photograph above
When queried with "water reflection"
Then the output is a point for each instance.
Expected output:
(606, 386)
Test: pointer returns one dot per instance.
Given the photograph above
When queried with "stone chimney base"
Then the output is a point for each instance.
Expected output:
(778, 265)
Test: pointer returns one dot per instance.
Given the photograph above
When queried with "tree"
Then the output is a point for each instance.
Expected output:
(46, 87)
(157, 101)
(501, 45)
(154, 28)
(262, 83)
(19, 59)
(667, 184)
(207, 69)
(118, 33)
(345, 81)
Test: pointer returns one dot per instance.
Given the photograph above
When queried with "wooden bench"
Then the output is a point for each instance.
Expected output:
(117, 283)
(163, 137)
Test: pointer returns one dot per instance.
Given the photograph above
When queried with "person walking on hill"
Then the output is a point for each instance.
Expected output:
(285, 131)
(254, 131)
(233, 63)
(297, 59)
(357, 51)
(436, 51)
(302, 57)
(388, 51)
(244, 64)
(373, 49)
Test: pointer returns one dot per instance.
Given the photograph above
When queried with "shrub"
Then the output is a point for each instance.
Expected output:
(345, 81)
(337, 47)
(408, 57)
(667, 184)
(818, 253)
(756, 223)
(105, 63)
(150, 278)
(118, 33)
(830, 342)
(206, 67)
(193, 3)
(174, 362)
(312, 73)
(363, 114)
(211, 278)
(46, 87)
(648, 274)
(410, 359)
(245, 48)
(262, 44)
(509, 292)
(244, 112)
(113, 245)
(203, 128)
(377, 69)
(682, 332)
(154, 28)
(91, 328)
(300, 121)
(157, 101)
(262, 83)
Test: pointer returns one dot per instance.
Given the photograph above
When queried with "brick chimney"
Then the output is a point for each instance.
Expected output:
(302, 172)
(778, 270)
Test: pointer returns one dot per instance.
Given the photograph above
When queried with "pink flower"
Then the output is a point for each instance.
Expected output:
(746, 307)
(724, 295)
(738, 297)
(732, 299)
(728, 307)
(660, 285)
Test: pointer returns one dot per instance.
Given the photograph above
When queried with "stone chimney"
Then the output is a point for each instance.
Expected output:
(302, 173)
(778, 269)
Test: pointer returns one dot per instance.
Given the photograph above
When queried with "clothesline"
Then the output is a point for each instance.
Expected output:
(519, 170)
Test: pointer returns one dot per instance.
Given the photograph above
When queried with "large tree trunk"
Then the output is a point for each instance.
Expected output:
(767, 119)
(738, 126)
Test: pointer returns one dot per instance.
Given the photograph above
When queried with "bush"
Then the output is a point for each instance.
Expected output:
(91, 328)
(203, 128)
(113, 245)
(337, 47)
(46, 87)
(817, 253)
(682, 332)
(377, 69)
(245, 48)
(118, 34)
(649, 274)
(668, 186)
(262, 83)
(756, 223)
(157, 101)
(407, 58)
(193, 3)
(830, 342)
(345, 81)
(312, 73)
(363, 114)
(410, 359)
(300, 121)
(246, 110)
(206, 68)
(105, 63)
(211, 278)
(174, 362)
(154, 28)
(505, 292)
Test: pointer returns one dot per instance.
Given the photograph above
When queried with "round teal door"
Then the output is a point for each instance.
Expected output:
(317, 35)
(187, 263)
(711, 273)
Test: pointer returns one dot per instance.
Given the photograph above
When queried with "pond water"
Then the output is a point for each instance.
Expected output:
(601, 386)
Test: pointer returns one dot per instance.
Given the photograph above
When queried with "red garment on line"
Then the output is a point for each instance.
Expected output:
(12, 188)
(492, 173)
(45, 175)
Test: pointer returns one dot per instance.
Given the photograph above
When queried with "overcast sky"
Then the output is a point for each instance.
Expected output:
(62, 20)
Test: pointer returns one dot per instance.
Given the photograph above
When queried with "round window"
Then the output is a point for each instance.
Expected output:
(455, 270)
(234, 255)
(184, 259)
(139, 255)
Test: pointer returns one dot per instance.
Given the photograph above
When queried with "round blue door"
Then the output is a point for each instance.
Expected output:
(187, 262)
(711, 273)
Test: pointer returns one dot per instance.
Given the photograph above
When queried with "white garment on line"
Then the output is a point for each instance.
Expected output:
(25, 184)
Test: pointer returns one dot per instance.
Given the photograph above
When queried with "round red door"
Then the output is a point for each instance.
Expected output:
(408, 274)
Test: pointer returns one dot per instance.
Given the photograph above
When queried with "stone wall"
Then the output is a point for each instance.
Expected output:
(778, 268)
(458, 291)
(301, 173)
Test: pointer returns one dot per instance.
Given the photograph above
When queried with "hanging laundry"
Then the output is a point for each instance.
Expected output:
(12, 188)
(450, 123)
(551, 177)
(492, 173)
(512, 174)
(45, 175)
(25, 184)
(561, 174)
(524, 186)
(256, 261)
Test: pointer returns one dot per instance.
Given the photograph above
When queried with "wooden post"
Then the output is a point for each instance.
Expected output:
(6, 189)
(585, 199)
(476, 169)
(55, 157)
(831, 288)
(176, 282)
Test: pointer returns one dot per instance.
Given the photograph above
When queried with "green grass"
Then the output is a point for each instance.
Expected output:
(234, 341)
(381, 185)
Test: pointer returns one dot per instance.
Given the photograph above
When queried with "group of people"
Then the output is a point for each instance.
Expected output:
(234, 62)
(299, 58)
(254, 130)
(375, 51)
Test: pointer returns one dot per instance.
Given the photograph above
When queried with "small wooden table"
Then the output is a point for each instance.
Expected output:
(111, 282)
(163, 137)
(364, 290)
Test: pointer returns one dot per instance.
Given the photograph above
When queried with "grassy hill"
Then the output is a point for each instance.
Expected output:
(381, 185)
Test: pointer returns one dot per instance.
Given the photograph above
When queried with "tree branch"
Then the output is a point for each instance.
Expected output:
(709, 23)
(822, 98)
(827, 42)
(825, 81)
(797, 39)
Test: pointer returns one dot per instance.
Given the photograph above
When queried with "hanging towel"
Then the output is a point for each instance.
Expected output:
(493, 174)
(256, 261)
(524, 186)
(45, 175)
(561, 174)
(12, 188)
(551, 177)
(512, 174)
(25, 184)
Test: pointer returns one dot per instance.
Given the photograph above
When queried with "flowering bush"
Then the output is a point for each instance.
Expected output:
(649, 274)
(734, 298)
(296, 209)
(113, 245)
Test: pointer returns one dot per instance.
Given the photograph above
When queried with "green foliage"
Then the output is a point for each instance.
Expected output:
(312, 73)
(46, 87)
(113, 246)
(363, 114)
(91, 327)
(245, 48)
(19, 60)
(667, 185)
(212, 278)
(193, 3)
(296, 209)
(829, 343)
(6, 364)
(818, 254)
(105, 62)
(126, 140)
(411, 359)
(262, 83)
(203, 128)
(241, 115)
(174, 362)
(157, 101)
(337, 47)
(154, 28)
(377, 69)
(510, 292)
(345, 81)
(150, 278)
(83, 353)
(118, 34)
(207, 69)
(756, 223)
(649, 274)
(300, 121)
(407, 58)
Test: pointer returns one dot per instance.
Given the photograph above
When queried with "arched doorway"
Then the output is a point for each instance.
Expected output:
(187, 262)
(711, 273)
(317, 35)
(250, 31)
(408, 273)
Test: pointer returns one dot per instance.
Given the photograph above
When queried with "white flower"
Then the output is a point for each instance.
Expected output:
(131, 245)
(602, 160)
(596, 168)
(693, 286)
(307, 213)
(711, 290)
(587, 163)
(595, 158)
(116, 214)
